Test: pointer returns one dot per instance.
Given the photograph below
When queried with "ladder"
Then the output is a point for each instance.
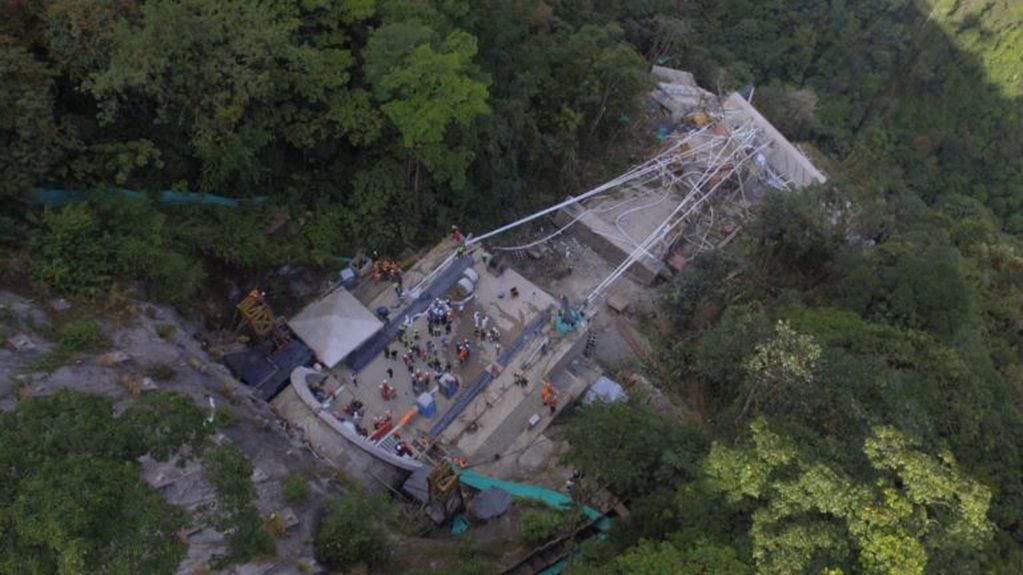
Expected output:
(388, 444)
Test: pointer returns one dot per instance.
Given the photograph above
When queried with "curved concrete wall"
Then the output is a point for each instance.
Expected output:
(298, 381)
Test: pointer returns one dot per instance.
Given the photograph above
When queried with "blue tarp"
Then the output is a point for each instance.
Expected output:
(269, 373)
(57, 198)
(459, 525)
(605, 390)
(555, 499)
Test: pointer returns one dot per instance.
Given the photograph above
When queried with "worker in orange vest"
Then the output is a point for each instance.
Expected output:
(549, 396)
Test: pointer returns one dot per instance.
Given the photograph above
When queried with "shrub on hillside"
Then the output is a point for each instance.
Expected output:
(296, 490)
(348, 535)
(73, 253)
(538, 527)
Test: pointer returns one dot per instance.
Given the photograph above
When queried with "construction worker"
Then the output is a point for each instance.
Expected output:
(549, 396)
(387, 391)
(572, 481)
(456, 234)
(520, 380)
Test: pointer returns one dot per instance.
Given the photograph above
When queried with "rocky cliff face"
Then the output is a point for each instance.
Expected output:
(149, 347)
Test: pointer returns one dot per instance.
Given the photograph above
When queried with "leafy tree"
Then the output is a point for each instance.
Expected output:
(811, 514)
(784, 365)
(793, 239)
(164, 423)
(793, 111)
(712, 357)
(649, 558)
(698, 293)
(72, 499)
(229, 51)
(73, 253)
(632, 447)
(77, 34)
(431, 91)
(231, 474)
(920, 287)
(539, 527)
(82, 248)
(77, 515)
(378, 198)
(389, 46)
(31, 138)
(349, 535)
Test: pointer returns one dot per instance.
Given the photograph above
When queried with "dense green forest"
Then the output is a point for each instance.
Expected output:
(854, 360)
(368, 124)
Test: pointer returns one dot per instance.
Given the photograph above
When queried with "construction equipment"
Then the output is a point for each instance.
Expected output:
(442, 481)
(257, 313)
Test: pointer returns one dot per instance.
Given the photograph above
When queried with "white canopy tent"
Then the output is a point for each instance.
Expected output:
(334, 326)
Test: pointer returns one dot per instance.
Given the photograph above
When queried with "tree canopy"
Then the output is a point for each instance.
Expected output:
(73, 499)
(857, 349)
(372, 124)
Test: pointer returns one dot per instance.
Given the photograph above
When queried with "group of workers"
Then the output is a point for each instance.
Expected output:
(440, 322)
(480, 330)
(440, 317)
(356, 411)
(386, 269)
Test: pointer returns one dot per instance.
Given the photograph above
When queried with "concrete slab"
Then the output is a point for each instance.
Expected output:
(618, 223)
(492, 300)
(618, 303)
(494, 423)
(784, 157)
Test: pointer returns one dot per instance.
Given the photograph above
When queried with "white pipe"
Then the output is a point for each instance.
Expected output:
(641, 169)
(660, 230)
(650, 239)
(559, 231)
(667, 193)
